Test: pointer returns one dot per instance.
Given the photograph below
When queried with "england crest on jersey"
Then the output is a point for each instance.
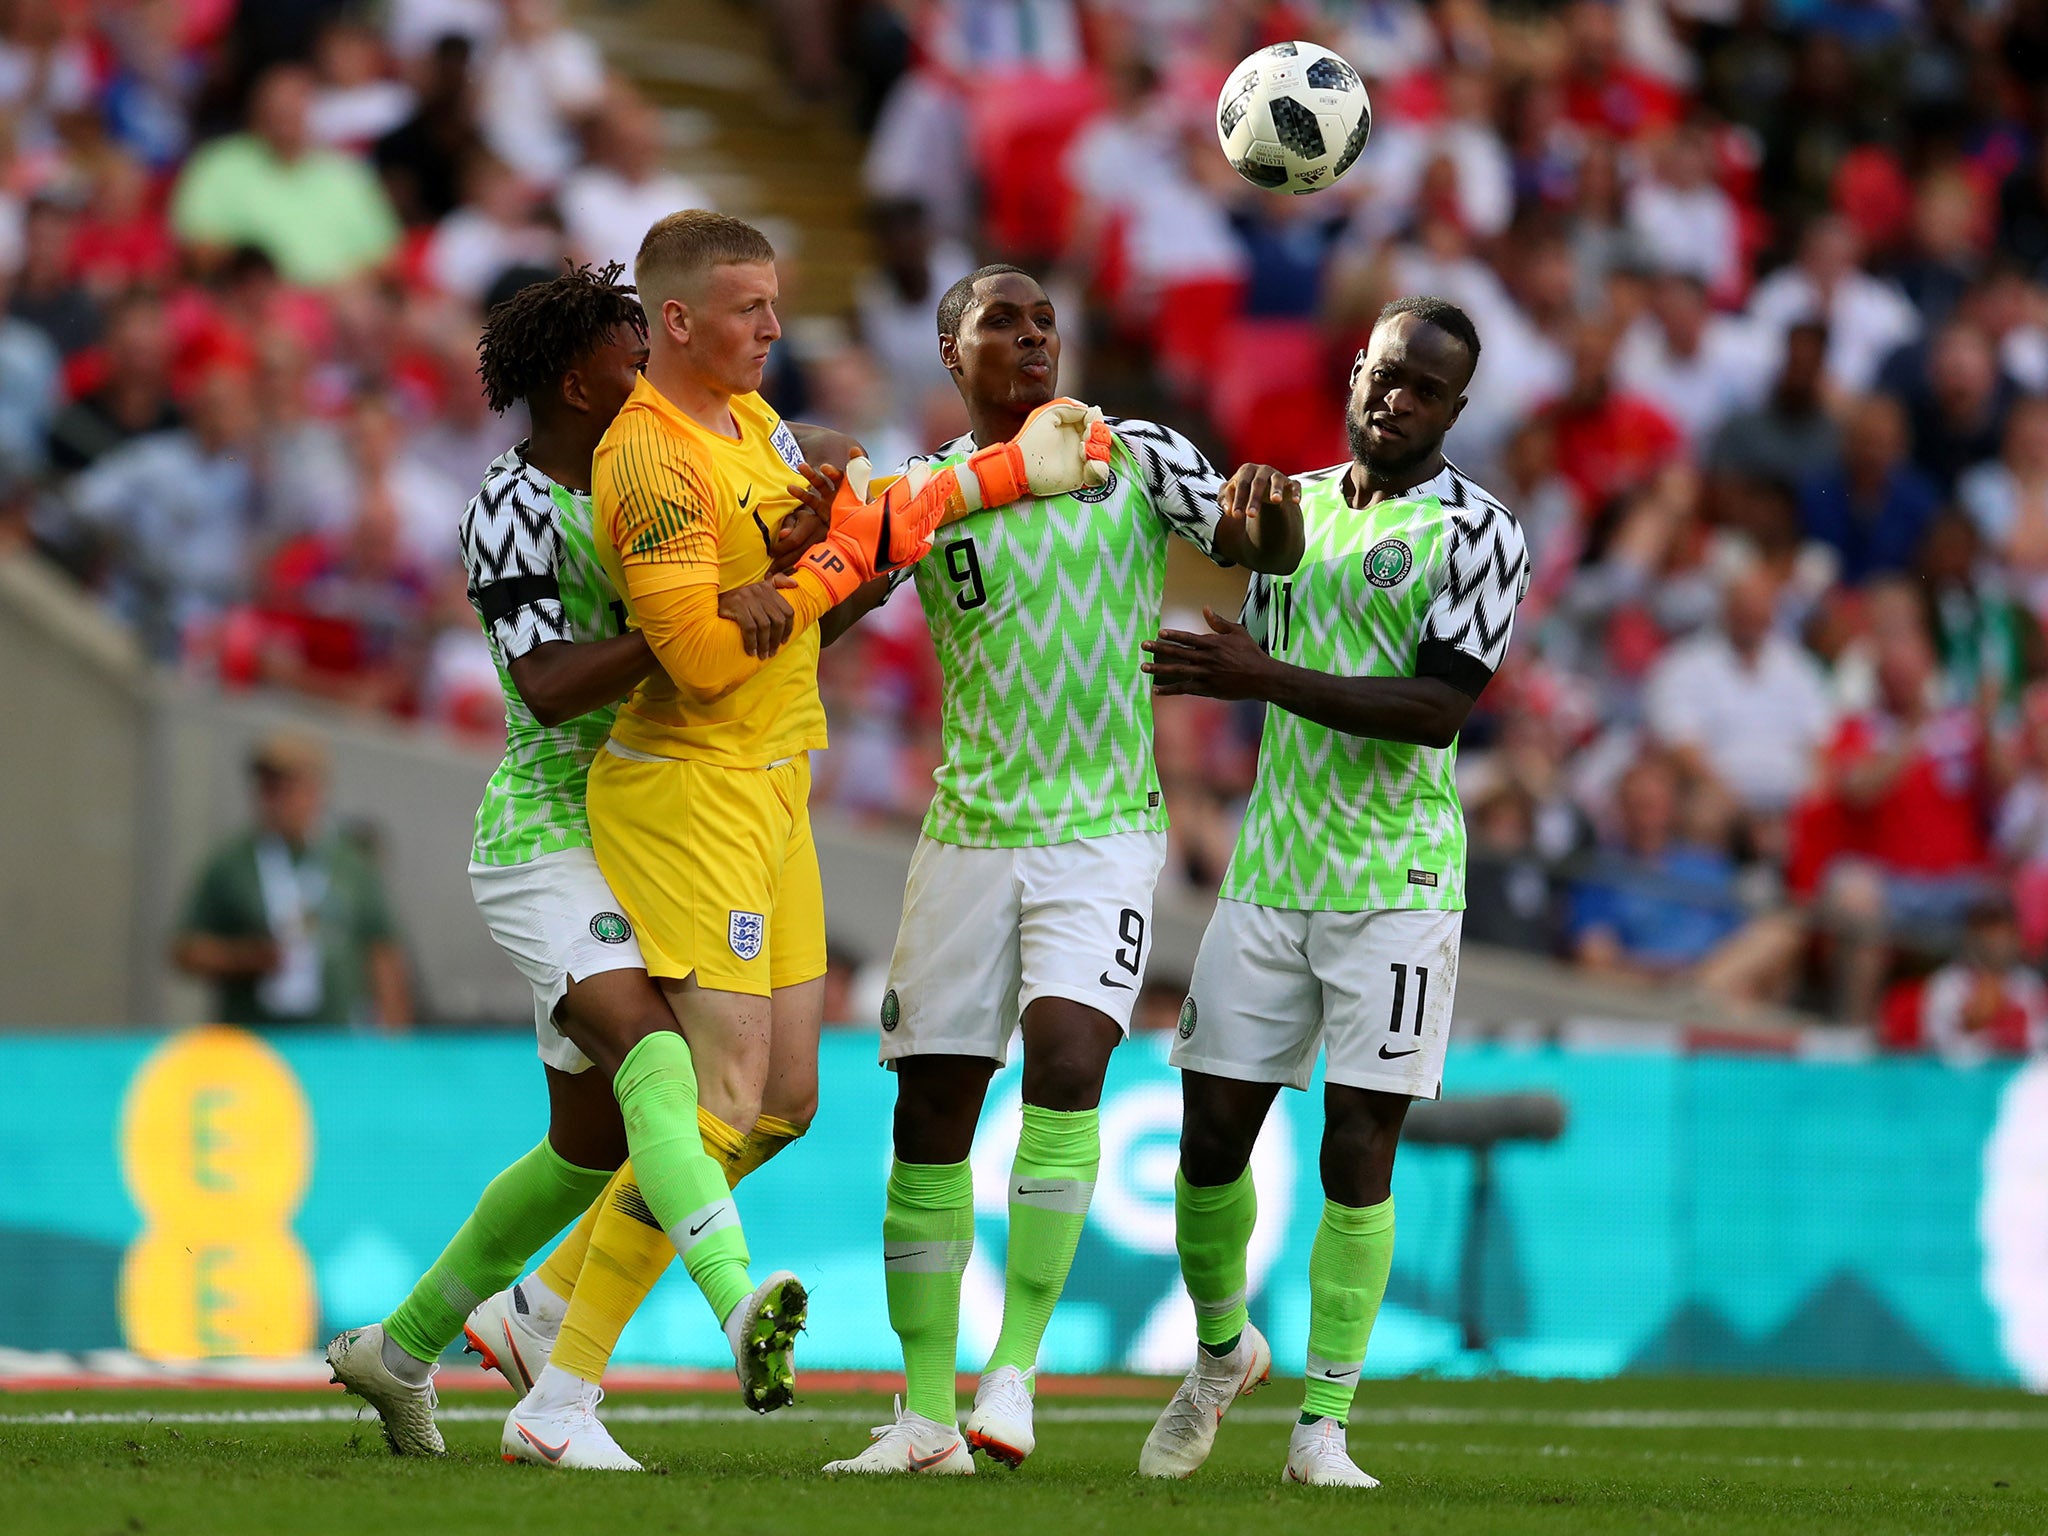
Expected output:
(745, 931)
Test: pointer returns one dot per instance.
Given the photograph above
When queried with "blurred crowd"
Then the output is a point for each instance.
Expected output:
(244, 255)
(1762, 286)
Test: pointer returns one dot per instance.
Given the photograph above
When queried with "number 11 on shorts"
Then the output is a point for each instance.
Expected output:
(1401, 996)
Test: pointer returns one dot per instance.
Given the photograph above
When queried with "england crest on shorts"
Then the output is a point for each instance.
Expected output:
(745, 931)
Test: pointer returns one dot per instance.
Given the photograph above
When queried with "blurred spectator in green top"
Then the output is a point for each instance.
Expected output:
(320, 215)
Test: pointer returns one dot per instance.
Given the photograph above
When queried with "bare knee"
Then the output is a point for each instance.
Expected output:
(1066, 1054)
(1361, 1131)
(1214, 1151)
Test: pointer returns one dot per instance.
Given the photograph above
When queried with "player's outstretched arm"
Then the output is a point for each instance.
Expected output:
(1228, 663)
(1260, 526)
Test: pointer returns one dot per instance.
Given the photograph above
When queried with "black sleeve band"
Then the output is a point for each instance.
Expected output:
(501, 599)
(1461, 669)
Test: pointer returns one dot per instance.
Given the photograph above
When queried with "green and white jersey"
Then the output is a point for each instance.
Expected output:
(1423, 586)
(534, 576)
(1036, 610)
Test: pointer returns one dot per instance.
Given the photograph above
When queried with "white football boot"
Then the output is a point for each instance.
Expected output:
(913, 1443)
(356, 1358)
(1316, 1455)
(1186, 1431)
(1000, 1426)
(563, 1431)
(502, 1330)
(762, 1331)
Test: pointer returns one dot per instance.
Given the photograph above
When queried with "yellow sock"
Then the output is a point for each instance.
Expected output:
(723, 1143)
(627, 1254)
(559, 1273)
(771, 1133)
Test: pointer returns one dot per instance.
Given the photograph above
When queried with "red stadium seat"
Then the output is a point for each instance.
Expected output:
(1189, 330)
(1898, 1021)
(1273, 397)
(1022, 124)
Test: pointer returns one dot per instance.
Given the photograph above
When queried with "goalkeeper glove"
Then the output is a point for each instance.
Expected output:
(1063, 446)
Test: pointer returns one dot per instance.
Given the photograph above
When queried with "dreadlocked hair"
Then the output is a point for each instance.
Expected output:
(531, 339)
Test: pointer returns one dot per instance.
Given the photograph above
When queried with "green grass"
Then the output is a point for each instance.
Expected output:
(1466, 1457)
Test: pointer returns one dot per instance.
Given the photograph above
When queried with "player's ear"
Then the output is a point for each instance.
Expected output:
(1457, 410)
(571, 391)
(675, 319)
(949, 352)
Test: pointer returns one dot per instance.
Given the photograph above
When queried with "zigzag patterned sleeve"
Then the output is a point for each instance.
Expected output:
(1180, 483)
(512, 547)
(1466, 631)
(1257, 613)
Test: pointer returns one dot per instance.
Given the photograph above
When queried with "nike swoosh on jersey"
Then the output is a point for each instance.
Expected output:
(1387, 1055)
(1108, 980)
(551, 1452)
(746, 496)
(707, 1221)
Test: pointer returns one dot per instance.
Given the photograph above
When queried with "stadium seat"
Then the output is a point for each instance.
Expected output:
(1189, 329)
(1898, 1021)
(1022, 124)
(1273, 397)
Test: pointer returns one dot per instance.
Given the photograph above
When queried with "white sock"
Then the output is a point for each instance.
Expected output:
(413, 1372)
(544, 1309)
(555, 1388)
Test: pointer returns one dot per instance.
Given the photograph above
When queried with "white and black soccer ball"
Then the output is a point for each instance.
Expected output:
(1293, 118)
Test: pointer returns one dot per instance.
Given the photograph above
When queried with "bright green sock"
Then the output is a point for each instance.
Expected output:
(927, 1235)
(1347, 1277)
(520, 1210)
(1051, 1184)
(1212, 1228)
(684, 1185)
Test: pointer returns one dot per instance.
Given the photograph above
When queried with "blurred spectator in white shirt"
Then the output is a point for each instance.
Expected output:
(538, 83)
(2007, 499)
(1398, 153)
(493, 229)
(1699, 366)
(1867, 319)
(1682, 220)
(609, 203)
(414, 26)
(357, 101)
(1741, 702)
(896, 302)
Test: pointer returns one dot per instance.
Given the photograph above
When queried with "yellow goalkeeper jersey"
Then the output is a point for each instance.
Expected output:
(678, 504)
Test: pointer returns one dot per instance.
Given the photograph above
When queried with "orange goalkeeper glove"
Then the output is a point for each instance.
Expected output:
(1063, 446)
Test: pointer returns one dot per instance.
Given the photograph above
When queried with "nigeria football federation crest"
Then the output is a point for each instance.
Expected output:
(1187, 1019)
(1388, 563)
(745, 931)
(610, 928)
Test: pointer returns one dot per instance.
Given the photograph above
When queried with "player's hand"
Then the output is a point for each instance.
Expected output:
(1225, 664)
(870, 538)
(763, 614)
(1255, 490)
(1063, 446)
(809, 523)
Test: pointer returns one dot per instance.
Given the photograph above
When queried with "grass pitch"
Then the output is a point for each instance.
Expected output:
(1456, 1457)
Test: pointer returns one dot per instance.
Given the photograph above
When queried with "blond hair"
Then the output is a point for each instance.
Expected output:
(682, 246)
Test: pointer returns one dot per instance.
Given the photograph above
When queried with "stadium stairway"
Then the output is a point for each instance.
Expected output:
(792, 166)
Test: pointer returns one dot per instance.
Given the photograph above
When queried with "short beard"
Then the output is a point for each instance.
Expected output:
(1378, 469)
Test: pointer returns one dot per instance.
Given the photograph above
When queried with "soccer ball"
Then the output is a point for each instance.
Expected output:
(1293, 117)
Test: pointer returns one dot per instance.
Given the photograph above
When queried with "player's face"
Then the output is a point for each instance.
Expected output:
(1007, 354)
(730, 324)
(1408, 394)
(607, 375)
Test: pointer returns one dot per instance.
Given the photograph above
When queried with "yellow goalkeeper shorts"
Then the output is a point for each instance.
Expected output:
(714, 867)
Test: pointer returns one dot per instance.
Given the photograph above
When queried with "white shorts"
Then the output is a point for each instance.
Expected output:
(1373, 990)
(988, 931)
(559, 921)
